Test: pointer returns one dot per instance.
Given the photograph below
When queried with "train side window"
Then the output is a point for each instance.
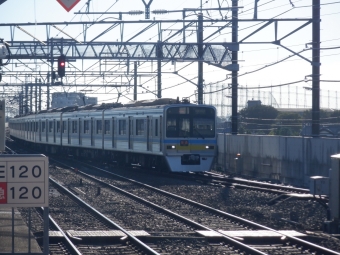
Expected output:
(171, 127)
(86, 127)
(139, 127)
(106, 127)
(64, 126)
(36, 126)
(99, 127)
(156, 127)
(58, 126)
(50, 126)
(122, 127)
(43, 126)
(74, 126)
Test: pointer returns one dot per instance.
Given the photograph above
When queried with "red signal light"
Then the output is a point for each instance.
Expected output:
(61, 65)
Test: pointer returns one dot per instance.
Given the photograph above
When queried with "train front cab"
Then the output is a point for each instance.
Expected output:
(190, 137)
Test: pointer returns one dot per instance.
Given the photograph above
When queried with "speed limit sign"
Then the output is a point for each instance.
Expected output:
(23, 181)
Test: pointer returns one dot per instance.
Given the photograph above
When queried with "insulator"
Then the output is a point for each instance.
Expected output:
(159, 11)
(135, 12)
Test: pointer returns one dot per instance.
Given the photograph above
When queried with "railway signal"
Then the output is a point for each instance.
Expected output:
(61, 65)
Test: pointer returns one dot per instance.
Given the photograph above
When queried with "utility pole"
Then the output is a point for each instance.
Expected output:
(159, 69)
(200, 58)
(31, 96)
(36, 95)
(135, 82)
(26, 97)
(234, 74)
(40, 97)
(316, 70)
(52, 80)
(21, 101)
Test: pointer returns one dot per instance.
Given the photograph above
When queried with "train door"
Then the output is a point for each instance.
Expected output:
(54, 131)
(80, 128)
(130, 133)
(46, 130)
(68, 131)
(113, 132)
(148, 133)
(39, 130)
(160, 132)
(62, 128)
(92, 131)
(35, 131)
(31, 132)
(27, 130)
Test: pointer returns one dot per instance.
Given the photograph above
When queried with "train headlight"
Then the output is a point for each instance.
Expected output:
(171, 147)
(209, 147)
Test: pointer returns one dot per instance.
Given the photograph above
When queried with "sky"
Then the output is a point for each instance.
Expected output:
(261, 64)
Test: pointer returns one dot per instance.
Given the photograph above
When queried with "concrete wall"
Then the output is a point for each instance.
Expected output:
(288, 159)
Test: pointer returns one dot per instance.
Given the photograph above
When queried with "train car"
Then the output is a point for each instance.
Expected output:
(160, 133)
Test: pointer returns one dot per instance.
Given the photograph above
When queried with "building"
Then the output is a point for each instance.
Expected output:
(62, 99)
(252, 103)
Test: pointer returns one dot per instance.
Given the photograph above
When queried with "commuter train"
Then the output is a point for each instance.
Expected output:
(161, 133)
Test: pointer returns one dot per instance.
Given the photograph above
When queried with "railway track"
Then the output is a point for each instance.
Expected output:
(161, 224)
(71, 216)
(208, 221)
(251, 184)
(210, 240)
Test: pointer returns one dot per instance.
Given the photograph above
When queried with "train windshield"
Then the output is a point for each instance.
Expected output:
(190, 122)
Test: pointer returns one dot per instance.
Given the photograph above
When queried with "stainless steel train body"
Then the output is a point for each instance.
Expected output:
(181, 135)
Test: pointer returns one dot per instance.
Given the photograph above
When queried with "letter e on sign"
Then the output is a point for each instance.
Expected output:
(68, 4)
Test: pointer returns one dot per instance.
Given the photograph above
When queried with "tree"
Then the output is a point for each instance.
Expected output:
(334, 117)
(307, 116)
(257, 119)
(288, 124)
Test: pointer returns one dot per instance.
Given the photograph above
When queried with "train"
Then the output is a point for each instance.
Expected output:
(167, 134)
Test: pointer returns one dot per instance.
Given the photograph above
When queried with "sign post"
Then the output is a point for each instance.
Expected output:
(68, 4)
(23, 181)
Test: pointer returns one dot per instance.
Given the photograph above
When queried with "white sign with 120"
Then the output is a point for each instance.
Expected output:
(23, 181)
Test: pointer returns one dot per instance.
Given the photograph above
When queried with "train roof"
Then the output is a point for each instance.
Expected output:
(132, 104)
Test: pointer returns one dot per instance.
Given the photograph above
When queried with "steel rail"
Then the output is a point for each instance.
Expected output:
(232, 241)
(136, 241)
(69, 243)
(318, 248)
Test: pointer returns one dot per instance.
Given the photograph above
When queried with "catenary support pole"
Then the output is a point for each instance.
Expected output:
(159, 69)
(135, 81)
(200, 58)
(234, 59)
(316, 70)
